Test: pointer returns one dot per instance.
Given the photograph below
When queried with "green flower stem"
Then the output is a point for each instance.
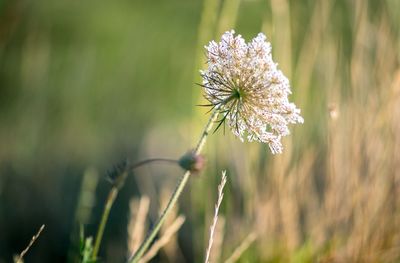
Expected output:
(110, 201)
(111, 198)
(178, 190)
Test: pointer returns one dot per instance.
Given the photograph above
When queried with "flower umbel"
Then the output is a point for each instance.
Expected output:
(251, 93)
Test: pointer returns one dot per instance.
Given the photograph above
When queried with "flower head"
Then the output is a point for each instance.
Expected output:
(245, 85)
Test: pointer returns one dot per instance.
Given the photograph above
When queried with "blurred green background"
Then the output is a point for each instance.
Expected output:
(87, 84)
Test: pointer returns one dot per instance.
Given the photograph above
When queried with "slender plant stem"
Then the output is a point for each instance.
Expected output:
(19, 259)
(141, 163)
(178, 190)
(111, 198)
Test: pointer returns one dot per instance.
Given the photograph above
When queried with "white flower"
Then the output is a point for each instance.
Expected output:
(248, 89)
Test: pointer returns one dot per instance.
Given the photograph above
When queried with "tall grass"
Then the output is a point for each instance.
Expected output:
(333, 196)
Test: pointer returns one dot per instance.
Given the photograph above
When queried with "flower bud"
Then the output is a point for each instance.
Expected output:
(192, 162)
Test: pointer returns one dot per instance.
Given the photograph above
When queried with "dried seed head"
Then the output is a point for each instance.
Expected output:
(250, 91)
(118, 173)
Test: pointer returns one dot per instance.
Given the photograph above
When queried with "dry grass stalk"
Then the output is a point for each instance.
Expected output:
(19, 259)
(166, 237)
(217, 205)
(282, 35)
(241, 248)
(228, 16)
(171, 249)
(137, 222)
(217, 247)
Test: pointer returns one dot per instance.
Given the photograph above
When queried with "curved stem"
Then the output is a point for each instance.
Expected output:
(141, 163)
(178, 190)
(111, 198)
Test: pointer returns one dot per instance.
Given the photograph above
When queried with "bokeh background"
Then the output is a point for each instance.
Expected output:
(85, 85)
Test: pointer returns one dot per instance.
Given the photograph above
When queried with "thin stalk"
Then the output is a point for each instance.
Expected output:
(111, 198)
(136, 165)
(178, 190)
(110, 201)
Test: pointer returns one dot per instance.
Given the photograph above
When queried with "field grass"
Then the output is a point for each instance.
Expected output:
(84, 85)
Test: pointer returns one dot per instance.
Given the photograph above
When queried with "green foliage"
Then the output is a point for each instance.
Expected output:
(85, 247)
